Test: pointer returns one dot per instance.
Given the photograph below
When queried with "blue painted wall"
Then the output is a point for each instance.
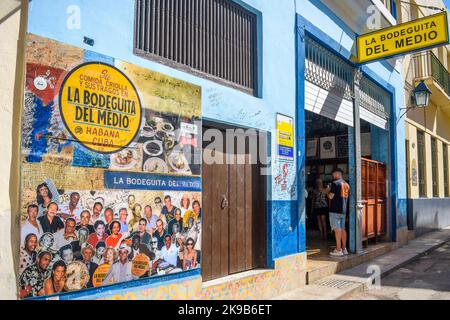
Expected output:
(320, 22)
(110, 23)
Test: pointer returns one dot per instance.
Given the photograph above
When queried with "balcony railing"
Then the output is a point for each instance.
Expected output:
(427, 65)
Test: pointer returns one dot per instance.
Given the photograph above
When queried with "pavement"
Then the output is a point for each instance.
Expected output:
(427, 278)
(351, 282)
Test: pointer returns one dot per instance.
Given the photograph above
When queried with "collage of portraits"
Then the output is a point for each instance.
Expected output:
(82, 226)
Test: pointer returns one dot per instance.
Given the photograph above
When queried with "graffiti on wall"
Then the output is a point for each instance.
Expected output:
(109, 190)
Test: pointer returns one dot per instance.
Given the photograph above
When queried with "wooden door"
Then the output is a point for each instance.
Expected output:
(382, 199)
(233, 222)
(364, 197)
(373, 185)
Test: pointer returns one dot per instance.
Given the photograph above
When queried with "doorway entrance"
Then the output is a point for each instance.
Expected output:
(328, 148)
(234, 204)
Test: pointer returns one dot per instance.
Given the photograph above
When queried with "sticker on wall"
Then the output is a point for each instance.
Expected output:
(366, 144)
(414, 174)
(285, 137)
(100, 107)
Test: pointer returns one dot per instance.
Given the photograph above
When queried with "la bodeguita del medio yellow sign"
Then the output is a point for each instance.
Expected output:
(403, 38)
(100, 107)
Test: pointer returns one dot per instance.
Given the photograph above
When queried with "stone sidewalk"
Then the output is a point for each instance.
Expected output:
(343, 284)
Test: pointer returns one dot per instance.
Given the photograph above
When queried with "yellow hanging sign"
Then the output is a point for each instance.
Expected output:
(100, 107)
(404, 38)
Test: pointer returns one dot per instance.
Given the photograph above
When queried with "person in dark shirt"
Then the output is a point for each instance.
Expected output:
(169, 209)
(33, 277)
(338, 194)
(50, 222)
(160, 233)
(177, 220)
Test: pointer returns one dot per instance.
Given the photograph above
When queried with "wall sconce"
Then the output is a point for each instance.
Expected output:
(422, 95)
(420, 98)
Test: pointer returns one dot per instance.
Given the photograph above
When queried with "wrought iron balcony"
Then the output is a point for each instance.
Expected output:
(428, 67)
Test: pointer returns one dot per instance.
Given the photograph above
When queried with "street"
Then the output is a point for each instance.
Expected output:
(427, 278)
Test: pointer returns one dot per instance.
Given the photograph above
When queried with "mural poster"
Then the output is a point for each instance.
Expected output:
(110, 191)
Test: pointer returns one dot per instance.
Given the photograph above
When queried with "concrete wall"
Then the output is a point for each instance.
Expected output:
(425, 215)
(11, 54)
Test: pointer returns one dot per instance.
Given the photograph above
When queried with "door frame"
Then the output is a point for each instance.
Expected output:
(223, 126)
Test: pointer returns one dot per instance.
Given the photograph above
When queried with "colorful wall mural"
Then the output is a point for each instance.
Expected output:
(111, 191)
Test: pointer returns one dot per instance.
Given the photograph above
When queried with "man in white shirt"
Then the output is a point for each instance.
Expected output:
(72, 210)
(31, 225)
(170, 251)
(67, 235)
(151, 219)
(120, 271)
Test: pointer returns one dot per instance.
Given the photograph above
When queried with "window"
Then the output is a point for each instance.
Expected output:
(408, 168)
(434, 167)
(421, 162)
(215, 39)
(391, 5)
(414, 10)
(446, 189)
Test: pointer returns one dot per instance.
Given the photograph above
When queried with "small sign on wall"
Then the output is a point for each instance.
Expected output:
(285, 137)
(366, 144)
(328, 147)
(311, 148)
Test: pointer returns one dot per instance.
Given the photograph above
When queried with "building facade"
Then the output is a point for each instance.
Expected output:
(427, 131)
(292, 65)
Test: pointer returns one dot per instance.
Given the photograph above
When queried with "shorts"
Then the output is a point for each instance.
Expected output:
(337, 221)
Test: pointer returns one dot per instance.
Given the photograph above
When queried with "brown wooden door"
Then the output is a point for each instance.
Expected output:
(373, 185)
(233, 222)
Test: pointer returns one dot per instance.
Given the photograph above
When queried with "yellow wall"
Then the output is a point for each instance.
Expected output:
(437, 126)
(432, 120)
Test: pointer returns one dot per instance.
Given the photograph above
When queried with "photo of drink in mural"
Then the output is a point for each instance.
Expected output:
(110, 192)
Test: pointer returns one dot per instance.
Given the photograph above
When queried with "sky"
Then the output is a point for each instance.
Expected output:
(447, 3)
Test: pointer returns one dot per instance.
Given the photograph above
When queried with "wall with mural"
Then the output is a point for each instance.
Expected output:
(111, 191)
(112, 29)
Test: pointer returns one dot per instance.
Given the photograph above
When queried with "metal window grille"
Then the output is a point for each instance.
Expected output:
(421, 162)
(374, 98)
(446, 189)
(332, 73)
(434, 168)
(328, 71)
(215, 39)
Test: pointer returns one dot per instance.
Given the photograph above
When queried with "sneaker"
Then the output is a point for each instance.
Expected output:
(336, 253)
(345, 252)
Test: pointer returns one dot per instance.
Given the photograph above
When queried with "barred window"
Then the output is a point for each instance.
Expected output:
(446, 189)
(434, 167)
(421, 163)
(215, 39)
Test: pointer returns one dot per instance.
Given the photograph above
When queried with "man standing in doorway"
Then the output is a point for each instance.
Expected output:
(338, 195)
